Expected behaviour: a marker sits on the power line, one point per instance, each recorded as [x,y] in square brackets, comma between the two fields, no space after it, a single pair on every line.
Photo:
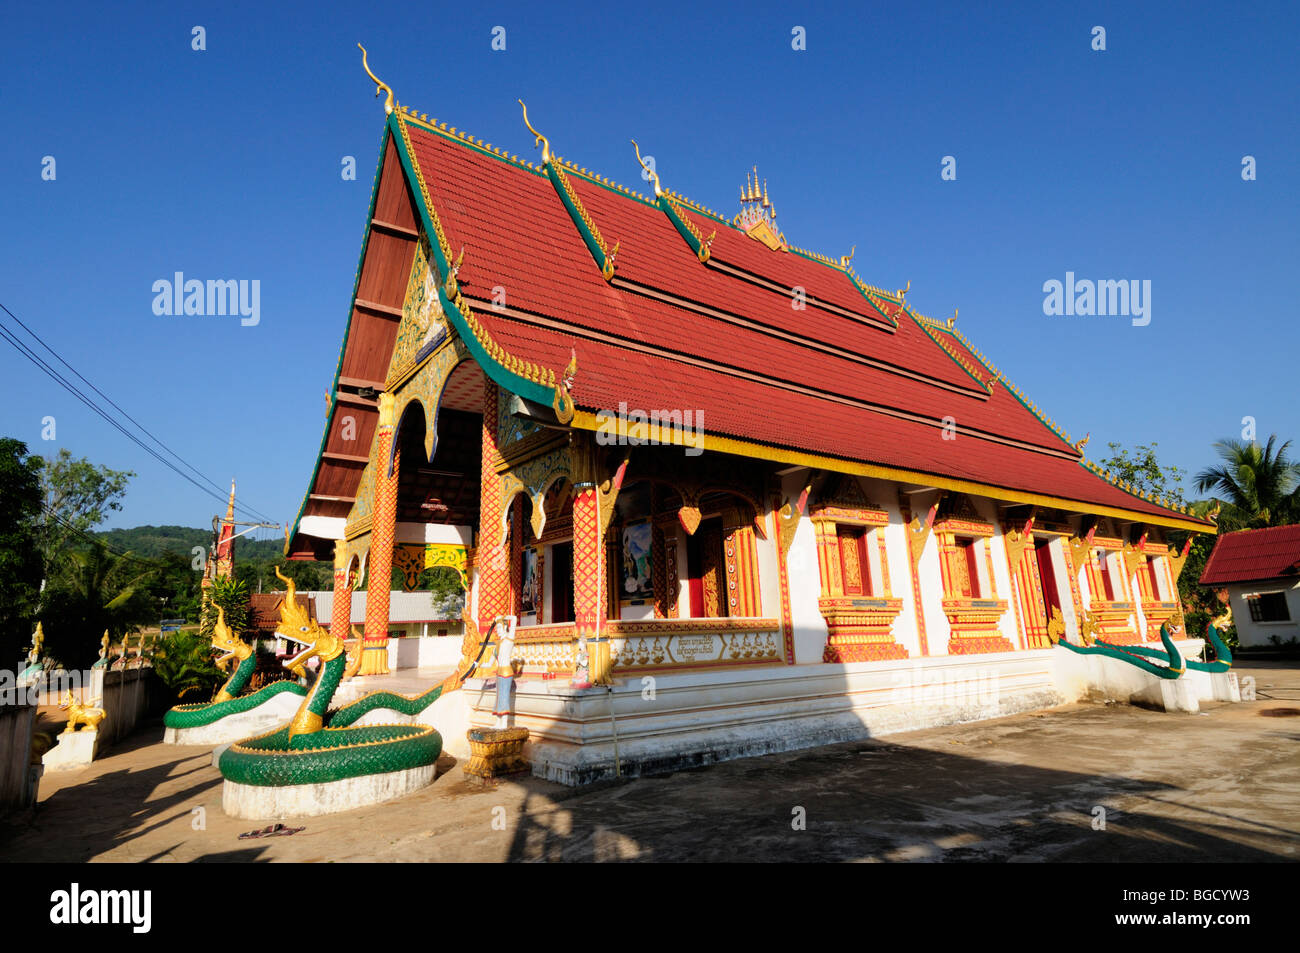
[86,537]
[95,408]
[76,392]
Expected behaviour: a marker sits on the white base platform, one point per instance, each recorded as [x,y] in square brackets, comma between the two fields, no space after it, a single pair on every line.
[251,802]
[688,719]
[73,750]
[1080,676]
[268,716]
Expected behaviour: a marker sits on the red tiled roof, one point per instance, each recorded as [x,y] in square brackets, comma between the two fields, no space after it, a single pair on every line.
[670,332]
[264,609]
[1252,554]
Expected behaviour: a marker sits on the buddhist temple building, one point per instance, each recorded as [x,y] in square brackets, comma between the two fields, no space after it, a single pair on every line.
[751,500]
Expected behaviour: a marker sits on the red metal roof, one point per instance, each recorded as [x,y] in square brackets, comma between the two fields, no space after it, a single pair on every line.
[1252,554]
[669,332]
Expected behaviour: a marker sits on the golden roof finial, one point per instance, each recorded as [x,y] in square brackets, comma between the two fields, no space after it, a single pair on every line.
[380,85]
[649,170]
[844,262]
[540,139]
[767,203]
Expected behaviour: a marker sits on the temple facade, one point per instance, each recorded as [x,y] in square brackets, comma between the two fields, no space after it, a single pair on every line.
[738,498]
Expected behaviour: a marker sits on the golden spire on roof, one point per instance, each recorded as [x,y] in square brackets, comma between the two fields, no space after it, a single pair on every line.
[380,85]
[757,214]
[540,139]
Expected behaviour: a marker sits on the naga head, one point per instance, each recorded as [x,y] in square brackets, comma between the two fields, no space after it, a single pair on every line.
[297,625]
[225,641]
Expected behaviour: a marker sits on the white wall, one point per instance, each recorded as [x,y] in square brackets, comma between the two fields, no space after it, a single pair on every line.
[905,629]
[810,632]
[1250,632]
[937,629]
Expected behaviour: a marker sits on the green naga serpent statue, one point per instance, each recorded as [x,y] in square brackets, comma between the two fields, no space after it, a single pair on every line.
[1135,655]
[228,700]
[1222,654]
[319,746]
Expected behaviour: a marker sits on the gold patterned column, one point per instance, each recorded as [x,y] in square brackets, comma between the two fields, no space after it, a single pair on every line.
[493,560]
[341,609]
[741,570]
[374,655]
[589,589]
[516,550]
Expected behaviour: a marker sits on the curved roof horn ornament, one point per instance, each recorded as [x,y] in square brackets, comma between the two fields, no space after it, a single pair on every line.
[649,169]
[380,85]
[540,139]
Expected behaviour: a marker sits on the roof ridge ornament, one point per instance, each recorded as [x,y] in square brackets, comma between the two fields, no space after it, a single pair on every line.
[380,85]
[649,169]
[540,139]
[757,214]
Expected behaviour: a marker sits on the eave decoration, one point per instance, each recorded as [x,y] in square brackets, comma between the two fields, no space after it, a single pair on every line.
[788,520]
[582,220]
[1177,559]
[525,378]
[1017,539]
[681,221]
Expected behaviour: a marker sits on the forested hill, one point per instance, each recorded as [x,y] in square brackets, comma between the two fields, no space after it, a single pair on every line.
[152,541]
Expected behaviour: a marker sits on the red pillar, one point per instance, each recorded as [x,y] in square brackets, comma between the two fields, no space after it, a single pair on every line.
[491,556]
[589,589]
[383,529]
[341,613]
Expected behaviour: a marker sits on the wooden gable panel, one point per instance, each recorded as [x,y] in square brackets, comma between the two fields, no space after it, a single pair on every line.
[361,429]
[393,203]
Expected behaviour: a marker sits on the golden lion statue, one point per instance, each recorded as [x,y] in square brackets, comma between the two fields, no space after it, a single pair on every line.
[80,714]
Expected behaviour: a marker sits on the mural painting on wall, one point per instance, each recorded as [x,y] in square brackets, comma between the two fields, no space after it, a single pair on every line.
[531,589]
[637,581]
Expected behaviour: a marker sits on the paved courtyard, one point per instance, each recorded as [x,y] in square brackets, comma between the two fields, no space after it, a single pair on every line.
[1222,785]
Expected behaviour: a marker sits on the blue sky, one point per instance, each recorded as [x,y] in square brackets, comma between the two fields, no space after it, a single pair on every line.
[225,163]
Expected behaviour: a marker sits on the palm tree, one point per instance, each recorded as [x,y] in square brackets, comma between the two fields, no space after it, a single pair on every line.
[1257,487]
[184,662]
[94,591]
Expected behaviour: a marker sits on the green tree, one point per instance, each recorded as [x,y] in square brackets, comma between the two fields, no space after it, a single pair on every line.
[1255,487]
[1142,469]
[232,596]
[78,496]
[97,590]
[445,591]
[176,587]
[307,575]
[185,663]
[20,557]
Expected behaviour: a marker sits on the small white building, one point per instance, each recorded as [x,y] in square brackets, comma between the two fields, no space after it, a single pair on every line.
[421,635]
[1260,569]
